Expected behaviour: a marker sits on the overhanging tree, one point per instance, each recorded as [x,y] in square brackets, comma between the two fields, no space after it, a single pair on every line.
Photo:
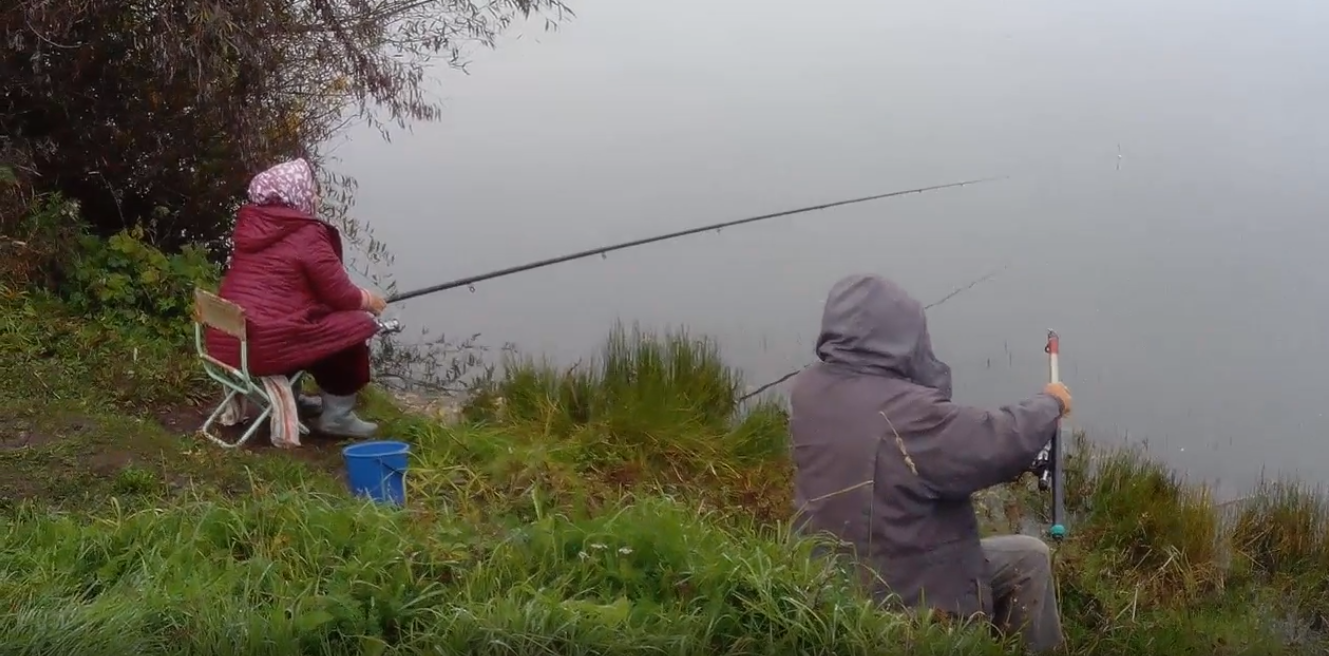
[156,113]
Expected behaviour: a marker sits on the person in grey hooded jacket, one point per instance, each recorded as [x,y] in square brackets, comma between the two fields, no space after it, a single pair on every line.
[886,462]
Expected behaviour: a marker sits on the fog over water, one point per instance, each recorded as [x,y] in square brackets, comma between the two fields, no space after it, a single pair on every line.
[1165,210]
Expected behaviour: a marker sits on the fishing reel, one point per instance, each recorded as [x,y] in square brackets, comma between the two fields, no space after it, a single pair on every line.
[1042,468]
[388,326]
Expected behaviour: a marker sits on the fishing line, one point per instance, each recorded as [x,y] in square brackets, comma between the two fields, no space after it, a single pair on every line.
[470,281]
[1059,169]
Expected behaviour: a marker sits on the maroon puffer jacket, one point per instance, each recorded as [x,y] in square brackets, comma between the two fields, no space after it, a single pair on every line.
[286,272]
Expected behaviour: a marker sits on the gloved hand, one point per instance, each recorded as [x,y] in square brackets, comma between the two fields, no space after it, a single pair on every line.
[1061,393]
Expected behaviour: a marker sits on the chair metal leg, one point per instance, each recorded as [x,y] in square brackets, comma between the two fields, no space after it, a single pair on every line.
[221,407]
[258,398]
[253,428]
[257,395]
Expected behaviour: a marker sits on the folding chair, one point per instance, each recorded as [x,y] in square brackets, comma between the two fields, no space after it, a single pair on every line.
[215,312]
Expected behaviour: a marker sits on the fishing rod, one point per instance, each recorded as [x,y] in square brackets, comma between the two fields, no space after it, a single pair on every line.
[1048,463]
[469,281]
[955,292]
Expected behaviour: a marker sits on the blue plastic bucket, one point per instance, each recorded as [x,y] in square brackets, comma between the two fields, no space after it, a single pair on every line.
[377,470]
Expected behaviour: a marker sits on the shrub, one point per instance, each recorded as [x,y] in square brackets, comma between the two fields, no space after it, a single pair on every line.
[38,235]
[132,282]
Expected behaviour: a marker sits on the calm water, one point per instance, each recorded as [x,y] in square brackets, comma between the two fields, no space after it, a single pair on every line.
[1187,276]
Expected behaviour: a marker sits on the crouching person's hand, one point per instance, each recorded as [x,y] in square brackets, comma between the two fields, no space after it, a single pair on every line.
[371,302]
[1063,394]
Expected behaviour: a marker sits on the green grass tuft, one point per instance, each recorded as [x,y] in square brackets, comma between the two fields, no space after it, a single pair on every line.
[639,383]
[1153,523]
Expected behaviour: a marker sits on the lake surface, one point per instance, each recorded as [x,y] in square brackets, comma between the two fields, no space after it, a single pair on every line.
[1165,212]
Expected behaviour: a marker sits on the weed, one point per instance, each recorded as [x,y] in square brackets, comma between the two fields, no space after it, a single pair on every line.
[639,380]
[1281,529]
[1155,524]
[1282,533]
[135,480]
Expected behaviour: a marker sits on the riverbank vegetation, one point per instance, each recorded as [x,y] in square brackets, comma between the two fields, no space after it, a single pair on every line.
[623,505]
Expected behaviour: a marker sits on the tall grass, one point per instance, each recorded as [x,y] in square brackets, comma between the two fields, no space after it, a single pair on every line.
[652,408]
[639,382]
[1281,532]
[1281,529]
[1154,523]
[302,573]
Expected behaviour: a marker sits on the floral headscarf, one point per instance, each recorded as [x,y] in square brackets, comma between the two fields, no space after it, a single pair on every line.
[289,183]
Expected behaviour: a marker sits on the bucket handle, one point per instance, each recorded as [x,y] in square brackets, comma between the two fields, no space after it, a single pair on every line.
[396,471]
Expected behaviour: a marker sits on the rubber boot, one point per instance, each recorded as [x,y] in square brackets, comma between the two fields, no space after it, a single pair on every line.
[338,418]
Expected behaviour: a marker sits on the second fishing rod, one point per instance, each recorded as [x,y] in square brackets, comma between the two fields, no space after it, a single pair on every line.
[471,280]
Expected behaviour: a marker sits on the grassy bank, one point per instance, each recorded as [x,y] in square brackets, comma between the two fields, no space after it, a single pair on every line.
[625,505]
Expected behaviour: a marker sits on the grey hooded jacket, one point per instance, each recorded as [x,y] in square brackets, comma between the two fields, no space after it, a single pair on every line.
[886,462]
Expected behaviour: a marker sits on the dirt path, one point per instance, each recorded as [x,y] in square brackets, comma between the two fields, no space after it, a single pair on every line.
[322,451]
[70,455]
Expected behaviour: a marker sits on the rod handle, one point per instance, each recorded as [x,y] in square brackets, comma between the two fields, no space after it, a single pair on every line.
[1053,350]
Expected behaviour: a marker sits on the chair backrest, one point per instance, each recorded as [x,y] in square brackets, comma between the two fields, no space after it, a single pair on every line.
[216,312]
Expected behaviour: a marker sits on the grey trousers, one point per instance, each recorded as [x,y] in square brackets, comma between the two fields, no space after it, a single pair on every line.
[1024,593]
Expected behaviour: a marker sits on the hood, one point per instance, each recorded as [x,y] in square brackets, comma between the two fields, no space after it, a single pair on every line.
[871,326]
[259,226]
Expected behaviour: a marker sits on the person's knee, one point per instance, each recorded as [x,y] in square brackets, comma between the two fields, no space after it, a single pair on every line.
[1026,552]
[1034,546]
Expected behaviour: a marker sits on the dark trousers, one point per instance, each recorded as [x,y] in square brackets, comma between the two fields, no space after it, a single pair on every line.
[343,373]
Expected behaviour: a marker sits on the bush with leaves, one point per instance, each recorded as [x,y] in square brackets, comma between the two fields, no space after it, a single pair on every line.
[129,280]
[37,234]
[123,280]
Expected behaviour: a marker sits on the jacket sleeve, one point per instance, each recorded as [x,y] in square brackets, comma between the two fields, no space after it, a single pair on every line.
[326,275]
[967,449]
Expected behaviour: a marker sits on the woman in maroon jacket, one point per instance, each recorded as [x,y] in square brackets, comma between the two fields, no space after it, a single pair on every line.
[303,311]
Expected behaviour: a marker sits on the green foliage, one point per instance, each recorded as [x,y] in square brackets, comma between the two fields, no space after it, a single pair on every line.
[639,379]
[39,238]
[98,319]
[129,280]
[56,249]
[653,409]
[658,393]
[1147,520]
[123,281]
